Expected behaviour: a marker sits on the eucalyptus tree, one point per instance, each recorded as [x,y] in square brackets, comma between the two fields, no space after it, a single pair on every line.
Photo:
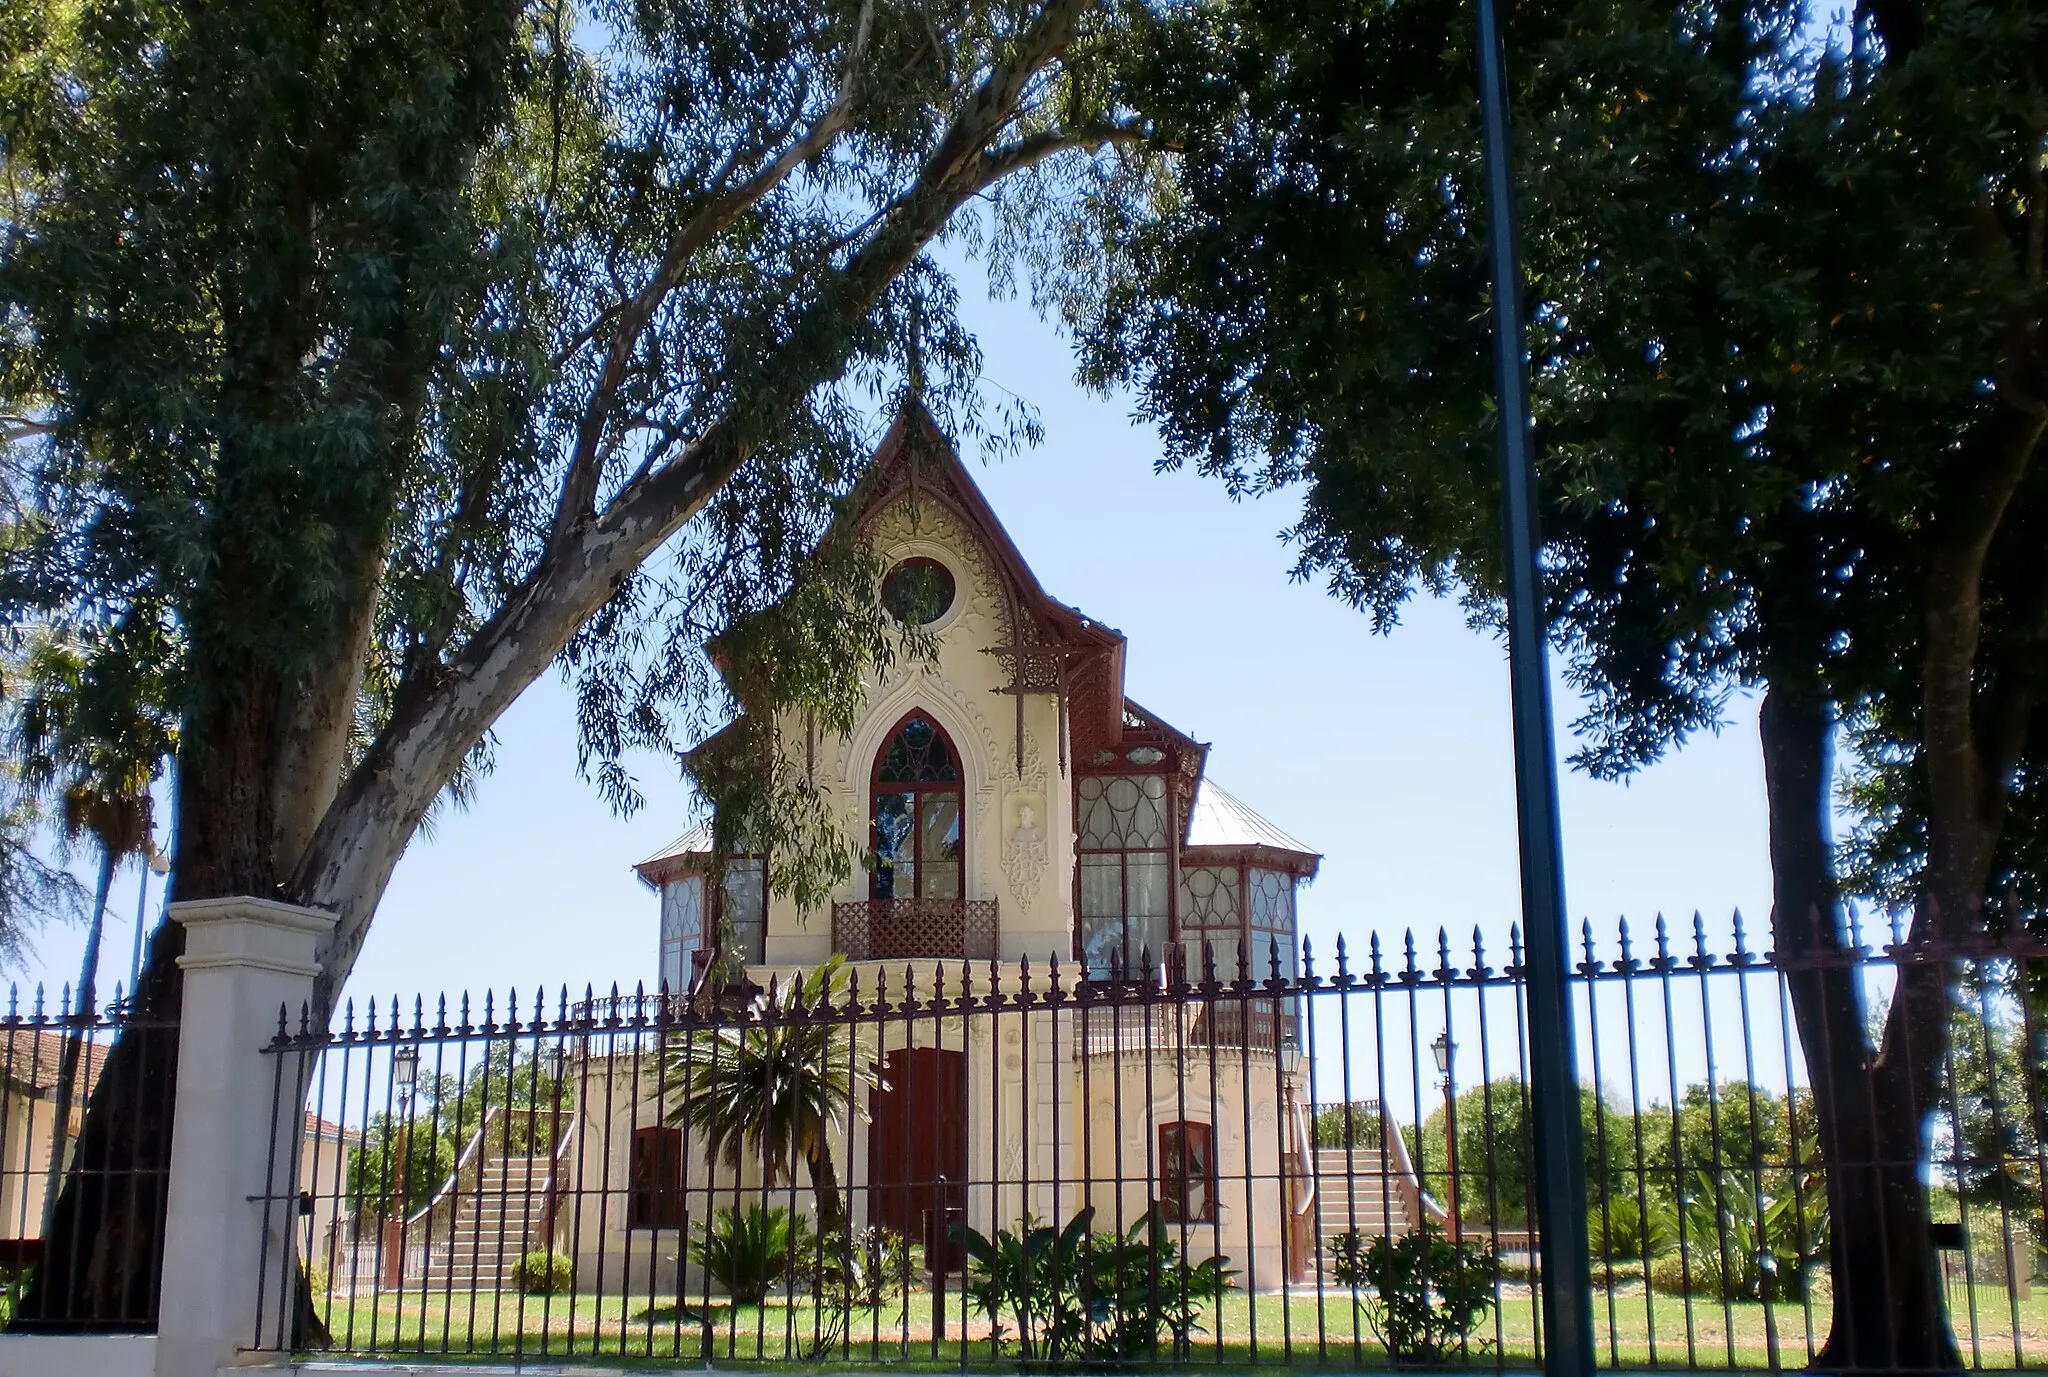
[1786,352]
[375,356]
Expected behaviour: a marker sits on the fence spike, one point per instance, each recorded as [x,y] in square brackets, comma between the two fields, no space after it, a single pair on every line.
[1590,965]
[1308,963]
[1663,942]
[1378,968]
[306,1018]
[1628,961]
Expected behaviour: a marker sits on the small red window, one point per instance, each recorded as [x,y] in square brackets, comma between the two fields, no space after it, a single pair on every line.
[654,1179]
[1187,1173]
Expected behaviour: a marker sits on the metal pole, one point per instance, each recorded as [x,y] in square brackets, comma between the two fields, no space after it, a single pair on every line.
[1554,1099]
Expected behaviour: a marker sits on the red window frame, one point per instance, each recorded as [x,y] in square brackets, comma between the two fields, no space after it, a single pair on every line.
[654,1178]
[917,789]
[1187,1156]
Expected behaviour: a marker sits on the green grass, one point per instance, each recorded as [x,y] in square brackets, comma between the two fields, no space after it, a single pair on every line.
[1301,1329]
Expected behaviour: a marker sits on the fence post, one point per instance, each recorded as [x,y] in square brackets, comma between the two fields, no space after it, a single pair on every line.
[245,958]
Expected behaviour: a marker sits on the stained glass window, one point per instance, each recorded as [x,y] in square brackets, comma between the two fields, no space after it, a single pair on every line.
[1270,901]
[1124,871]
[1211,916]
[682,929]
[918,591]
[915,815]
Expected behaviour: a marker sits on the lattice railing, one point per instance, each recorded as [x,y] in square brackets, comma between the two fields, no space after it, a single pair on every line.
[903,929]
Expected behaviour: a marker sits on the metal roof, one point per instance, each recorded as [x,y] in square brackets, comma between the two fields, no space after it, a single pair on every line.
[1221,819]
[695,842]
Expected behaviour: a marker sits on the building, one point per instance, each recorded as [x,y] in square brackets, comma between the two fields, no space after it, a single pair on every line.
[1018,808]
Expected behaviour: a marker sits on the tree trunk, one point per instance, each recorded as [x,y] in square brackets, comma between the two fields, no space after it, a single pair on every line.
[1880,1259]
[825,1183]
[104,1245]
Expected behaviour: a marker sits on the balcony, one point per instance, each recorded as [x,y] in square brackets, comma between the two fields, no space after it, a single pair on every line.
[909,929]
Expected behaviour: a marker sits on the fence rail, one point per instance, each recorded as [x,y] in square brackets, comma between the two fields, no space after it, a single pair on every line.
[1231,1171]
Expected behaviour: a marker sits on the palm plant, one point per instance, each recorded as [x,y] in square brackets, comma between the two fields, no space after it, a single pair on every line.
[773,1084]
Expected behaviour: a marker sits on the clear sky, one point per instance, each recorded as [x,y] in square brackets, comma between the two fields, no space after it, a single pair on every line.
[1390,754]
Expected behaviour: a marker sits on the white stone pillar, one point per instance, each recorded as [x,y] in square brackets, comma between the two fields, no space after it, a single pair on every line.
[244,960]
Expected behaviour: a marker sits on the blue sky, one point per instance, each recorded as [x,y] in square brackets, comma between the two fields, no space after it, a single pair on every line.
[1390,754]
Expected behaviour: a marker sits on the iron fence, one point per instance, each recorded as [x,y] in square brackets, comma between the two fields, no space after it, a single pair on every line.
[58,1178]
[965,1163]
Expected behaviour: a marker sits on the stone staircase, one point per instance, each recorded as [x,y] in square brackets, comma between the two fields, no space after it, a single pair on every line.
[498,1207]
[1360,1191]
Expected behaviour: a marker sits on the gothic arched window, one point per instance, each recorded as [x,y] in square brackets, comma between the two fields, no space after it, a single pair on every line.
[914,812]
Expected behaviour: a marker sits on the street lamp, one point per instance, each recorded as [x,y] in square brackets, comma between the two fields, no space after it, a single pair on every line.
[1445,1051]
[1560,1213]
[405,1072]
[555,1061]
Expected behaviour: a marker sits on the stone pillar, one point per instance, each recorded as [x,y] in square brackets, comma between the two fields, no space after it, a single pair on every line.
[244,960]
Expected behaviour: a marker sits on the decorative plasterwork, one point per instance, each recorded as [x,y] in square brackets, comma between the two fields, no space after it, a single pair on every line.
[1026,829]
[937,534]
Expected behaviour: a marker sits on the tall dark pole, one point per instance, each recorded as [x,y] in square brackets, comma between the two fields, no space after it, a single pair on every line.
[1560,1164]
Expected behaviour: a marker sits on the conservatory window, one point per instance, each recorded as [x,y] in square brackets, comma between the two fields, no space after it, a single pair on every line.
[682,929]
[1270,896]
[1211,919]
[743,905]
[1124,871]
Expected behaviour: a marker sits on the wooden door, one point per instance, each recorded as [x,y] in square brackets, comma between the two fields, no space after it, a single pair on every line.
[917,1148]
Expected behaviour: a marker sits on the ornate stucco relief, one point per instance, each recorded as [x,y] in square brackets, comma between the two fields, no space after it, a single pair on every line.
[1025,848]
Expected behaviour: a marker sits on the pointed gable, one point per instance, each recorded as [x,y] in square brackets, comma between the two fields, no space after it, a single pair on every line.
[1046,644]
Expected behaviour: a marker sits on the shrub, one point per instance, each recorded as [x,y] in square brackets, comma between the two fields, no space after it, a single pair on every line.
[1080,1296]
[867,1270]
[750,1251]
[1428,1293]
[1349,1125]
[544,1272]
[1625,1230]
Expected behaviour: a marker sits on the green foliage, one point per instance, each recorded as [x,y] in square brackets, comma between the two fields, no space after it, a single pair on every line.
[545,1272]
[1427,1293]
[771,1087]
[1081,1296]
[751,1250]
[1349,1125]
[1496,1153]
[408,1162]
[870,1269]
[1743,1241]
[1631,1228]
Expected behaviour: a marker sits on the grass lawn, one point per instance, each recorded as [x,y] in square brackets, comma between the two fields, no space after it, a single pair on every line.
[1301,1328]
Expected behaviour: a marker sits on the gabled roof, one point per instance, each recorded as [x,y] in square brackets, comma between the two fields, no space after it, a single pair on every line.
[916,461]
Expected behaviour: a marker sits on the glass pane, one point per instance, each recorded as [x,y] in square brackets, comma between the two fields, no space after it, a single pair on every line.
[1272,901]
[918,755]
[1098,825]
[939,845]
[1148,817]
[682,927]
[746,894]
[1209,897]
[1102,887]
[895,868]
[1145,885]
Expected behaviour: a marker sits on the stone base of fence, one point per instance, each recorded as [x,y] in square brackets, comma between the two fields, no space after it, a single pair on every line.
[78,1355]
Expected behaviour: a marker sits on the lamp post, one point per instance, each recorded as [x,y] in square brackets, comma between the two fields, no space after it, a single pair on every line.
[555,1061]
[405,1070]
[1560,1215]
[1445,1052]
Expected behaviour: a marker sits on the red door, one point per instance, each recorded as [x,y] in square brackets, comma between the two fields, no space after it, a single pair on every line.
[917,1148]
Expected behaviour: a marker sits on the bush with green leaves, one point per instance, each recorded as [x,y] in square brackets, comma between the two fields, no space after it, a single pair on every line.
[752,1250]
[1744,1238]
[1081,1296]
[869,1269]
[545,1272]
[1426,1292]
[1349,1126]
[1631,1228]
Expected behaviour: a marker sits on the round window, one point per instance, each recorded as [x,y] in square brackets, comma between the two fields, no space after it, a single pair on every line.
[918,591]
